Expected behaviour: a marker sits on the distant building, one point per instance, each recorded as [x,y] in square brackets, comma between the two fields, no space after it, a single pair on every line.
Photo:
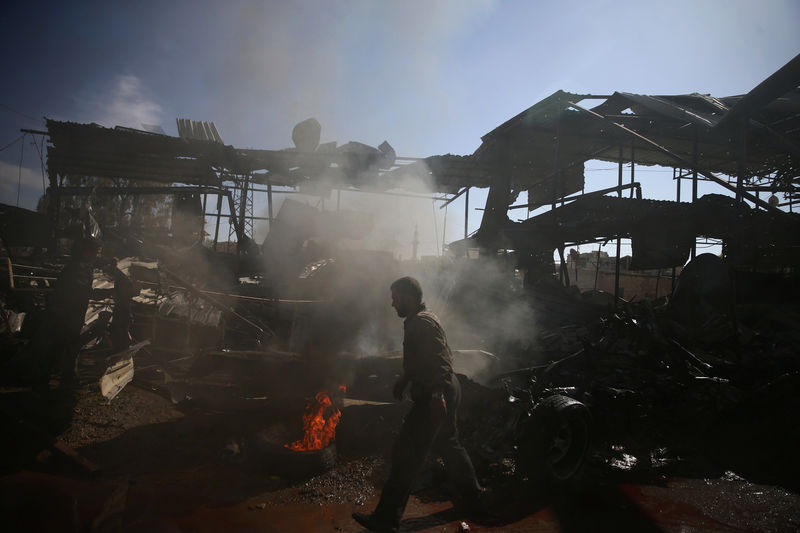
[595,271]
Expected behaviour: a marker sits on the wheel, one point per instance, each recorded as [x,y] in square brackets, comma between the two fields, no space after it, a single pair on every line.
[555,440]
[276,459]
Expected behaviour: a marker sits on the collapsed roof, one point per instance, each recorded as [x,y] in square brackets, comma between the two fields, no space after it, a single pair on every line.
[93,150]
[524,146]
[541,150]
[556,133]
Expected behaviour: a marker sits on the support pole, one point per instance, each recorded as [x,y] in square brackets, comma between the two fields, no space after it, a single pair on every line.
[243,205]
[633,164]
[597,266]
[678,198]
[203,227]
[740,177]
[466,213]
[435,226]
[269,202]
[558,186]
[558,181]
[219,216]
[619,240]
[741,163]
[694,182]
[444,231]
[234,220]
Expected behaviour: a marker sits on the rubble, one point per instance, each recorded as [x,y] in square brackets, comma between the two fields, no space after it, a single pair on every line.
[209,356]
[120,372]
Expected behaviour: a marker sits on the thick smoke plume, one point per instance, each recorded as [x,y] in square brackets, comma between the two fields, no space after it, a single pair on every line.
[479,300]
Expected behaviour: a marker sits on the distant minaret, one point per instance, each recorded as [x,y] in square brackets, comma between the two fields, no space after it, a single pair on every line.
[415,244]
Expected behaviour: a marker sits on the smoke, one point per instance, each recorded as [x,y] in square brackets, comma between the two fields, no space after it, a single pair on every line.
[292,60]
[395,217]
[127,104]
[291,67]
[480,302]
[398,221]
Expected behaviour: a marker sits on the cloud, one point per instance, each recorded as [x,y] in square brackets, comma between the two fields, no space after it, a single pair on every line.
[127,105]
[31,185]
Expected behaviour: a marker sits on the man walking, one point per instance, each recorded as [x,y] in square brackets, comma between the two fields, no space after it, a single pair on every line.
[431,423]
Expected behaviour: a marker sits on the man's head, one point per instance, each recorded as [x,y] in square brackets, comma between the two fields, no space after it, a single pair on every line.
[406,296]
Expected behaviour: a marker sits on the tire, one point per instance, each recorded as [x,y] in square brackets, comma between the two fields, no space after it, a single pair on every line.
[555,440]
[276,459]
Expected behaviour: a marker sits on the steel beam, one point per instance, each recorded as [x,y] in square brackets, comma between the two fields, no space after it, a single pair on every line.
[684,163]
[458,194]
[601,192]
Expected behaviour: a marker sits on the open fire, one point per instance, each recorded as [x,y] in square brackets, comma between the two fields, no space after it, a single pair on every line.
[318,431]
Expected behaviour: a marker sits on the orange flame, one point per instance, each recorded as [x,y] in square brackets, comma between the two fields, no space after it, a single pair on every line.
[318,431]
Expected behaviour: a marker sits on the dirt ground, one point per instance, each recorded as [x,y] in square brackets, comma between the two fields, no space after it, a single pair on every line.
[174,467]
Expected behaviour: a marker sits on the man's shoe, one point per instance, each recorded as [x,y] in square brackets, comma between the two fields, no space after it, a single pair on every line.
[371,522]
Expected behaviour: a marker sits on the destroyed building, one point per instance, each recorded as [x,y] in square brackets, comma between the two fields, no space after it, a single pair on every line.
[268,325]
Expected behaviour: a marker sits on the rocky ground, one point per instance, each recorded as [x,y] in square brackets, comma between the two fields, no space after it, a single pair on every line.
[168,463]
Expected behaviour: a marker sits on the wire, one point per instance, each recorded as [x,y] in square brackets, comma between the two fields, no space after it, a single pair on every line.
[21,113]
[12,142]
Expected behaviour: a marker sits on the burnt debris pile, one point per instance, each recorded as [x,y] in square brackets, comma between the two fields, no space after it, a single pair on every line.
[701,383]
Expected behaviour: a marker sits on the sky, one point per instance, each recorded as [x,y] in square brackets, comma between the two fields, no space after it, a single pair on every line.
[430,77]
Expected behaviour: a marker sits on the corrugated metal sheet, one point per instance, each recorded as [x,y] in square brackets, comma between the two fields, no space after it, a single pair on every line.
[667,107]
[153,128]
[198,130]
[195,310]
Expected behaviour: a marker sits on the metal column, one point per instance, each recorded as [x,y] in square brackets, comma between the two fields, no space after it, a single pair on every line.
[619,241]
[219,216]
[694,183]
[678,198]
[633,165]
[269,202]
[466,213]
[740,177]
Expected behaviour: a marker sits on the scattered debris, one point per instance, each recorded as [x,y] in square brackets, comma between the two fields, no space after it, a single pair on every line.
[120,372]
[698,373]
